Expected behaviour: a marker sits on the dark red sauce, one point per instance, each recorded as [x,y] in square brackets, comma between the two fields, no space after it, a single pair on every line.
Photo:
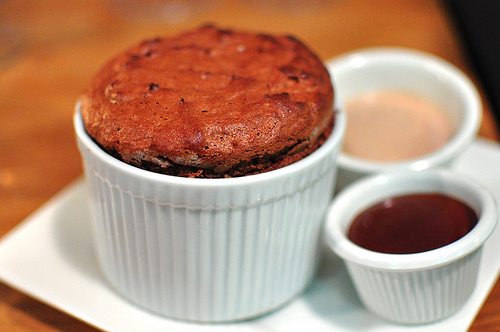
[412,223]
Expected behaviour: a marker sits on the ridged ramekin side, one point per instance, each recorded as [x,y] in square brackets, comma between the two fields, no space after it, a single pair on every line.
[211,264]
[209,250]
[417,296]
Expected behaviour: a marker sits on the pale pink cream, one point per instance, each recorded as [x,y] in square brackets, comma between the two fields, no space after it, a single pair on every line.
[392,126]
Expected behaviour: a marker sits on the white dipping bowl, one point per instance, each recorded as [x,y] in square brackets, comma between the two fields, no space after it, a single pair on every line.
[420,287]
[418,73]
[209,250]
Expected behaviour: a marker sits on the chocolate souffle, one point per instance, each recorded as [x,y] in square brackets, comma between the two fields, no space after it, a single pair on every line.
[211,103]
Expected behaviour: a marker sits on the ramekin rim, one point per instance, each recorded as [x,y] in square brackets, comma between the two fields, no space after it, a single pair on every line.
[460,140]
[343,247]
[334,140]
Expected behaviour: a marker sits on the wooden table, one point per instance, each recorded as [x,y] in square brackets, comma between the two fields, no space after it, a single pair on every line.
[62,43]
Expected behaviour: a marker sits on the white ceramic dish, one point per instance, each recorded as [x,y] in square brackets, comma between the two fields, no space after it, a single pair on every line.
[49,256]
[441,279]
[209,250]
[415,72]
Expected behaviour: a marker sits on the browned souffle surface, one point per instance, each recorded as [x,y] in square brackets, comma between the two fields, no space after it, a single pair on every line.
[211,102]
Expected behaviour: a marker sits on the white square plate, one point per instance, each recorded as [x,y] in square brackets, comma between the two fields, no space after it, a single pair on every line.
[49,256]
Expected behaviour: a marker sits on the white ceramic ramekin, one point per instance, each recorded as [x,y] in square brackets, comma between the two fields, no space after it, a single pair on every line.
[412,288]
[416,72]
[209,250]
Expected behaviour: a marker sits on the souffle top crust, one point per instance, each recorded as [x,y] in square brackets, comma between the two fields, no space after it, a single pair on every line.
[211,103]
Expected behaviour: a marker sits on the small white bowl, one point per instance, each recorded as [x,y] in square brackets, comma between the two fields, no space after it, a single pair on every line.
[412,288]
[418,73]
[209,250]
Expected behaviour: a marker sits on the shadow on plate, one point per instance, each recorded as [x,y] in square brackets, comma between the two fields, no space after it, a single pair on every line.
[73,234]
[332,295]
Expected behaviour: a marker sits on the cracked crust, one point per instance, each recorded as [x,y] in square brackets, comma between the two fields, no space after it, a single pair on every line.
[211,103]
